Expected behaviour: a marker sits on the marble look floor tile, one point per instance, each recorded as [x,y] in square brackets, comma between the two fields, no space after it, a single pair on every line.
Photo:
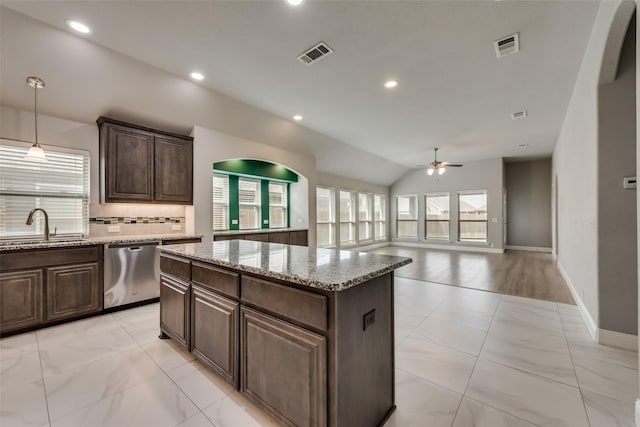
[545,355]
[144,332]
[510,324]
[236,411]
[71,332]
[609,379]
[157,402]
[421,403]
[568,309]
[486,302]
[18,345]
[131,316]
[167,354]
[531,302]
[530,316]
[475,414]
[463,316]
[606,412]
[582,345]
[530,397]
[450,335]
[199,383]
[198,420]
[83,350]
[77,388]
[401,334]
[23,406]
[19,370]
[406,320]
[573,323]
[447,368]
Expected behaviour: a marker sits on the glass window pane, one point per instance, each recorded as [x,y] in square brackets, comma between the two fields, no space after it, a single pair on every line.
[325,217]
[380,216]
[220,202]
[277,205]
[347,206]
[473,230]
[407,228]
[407,216]
[249,203]
[437,206]
[438,230]
[473,216]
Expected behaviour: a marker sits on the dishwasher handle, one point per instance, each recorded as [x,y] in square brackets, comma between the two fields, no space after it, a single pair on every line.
[133,246]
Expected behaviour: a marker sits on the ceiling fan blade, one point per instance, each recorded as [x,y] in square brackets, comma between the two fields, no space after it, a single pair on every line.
[452,165]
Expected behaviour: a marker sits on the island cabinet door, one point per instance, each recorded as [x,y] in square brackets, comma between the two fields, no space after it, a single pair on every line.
[283,369]
[21,300]
[214,332]
[174,309]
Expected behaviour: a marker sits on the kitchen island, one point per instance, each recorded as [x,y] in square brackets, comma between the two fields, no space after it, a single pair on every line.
[305,333]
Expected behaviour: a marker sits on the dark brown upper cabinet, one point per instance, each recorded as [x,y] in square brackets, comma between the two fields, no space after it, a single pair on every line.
[144,165]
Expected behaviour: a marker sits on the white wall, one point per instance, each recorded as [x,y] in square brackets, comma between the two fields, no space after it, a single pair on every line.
[481,175]
[210,146]
[575,166]
[528,187]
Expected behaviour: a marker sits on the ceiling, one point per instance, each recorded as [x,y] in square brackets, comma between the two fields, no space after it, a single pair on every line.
[453,92]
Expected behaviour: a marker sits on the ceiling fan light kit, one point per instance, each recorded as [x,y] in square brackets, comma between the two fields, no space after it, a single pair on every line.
[439,166]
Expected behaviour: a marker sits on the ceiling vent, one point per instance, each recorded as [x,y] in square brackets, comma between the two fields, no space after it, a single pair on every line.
[316,53]
[507,45]
[519,115]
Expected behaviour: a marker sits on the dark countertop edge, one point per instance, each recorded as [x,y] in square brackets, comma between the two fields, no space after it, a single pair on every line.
[96,241]
[316,284]
[256,231]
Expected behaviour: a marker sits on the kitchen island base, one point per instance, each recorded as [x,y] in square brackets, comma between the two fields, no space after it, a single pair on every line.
[307,356]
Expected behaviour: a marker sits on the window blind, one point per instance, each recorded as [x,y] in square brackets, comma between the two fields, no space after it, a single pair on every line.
[380,216]
[220,202]
[60,186]
[249,201]
[325,217]
[277,205]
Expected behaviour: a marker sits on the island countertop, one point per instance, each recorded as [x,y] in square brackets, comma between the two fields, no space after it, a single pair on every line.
[327,269]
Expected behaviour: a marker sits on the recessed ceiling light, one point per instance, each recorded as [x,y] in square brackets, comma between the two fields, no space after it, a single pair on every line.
[523,146]
[295,2]
[390,84]
[78,26]
[197,76]
[297,117]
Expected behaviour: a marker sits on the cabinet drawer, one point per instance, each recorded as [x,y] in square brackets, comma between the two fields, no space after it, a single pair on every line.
[223,281]
[178,267]
[257,237]
[32,258]
[295,304]
[279,237]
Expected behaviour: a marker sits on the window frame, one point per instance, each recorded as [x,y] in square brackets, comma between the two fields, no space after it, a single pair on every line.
[427,220]
[352,220]
[383,220]
[369,214]
[284,206]
[226,204]
[398,220]
[44,198]
[486,220]
[332,216]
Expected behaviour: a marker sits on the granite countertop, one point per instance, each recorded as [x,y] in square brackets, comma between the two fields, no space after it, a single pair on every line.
[14,245]
[256,231]
[328,269]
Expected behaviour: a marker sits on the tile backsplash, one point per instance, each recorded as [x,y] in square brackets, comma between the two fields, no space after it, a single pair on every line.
[135,219]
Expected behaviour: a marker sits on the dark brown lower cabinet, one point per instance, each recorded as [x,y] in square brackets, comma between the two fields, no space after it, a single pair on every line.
[174,309]
[73,290]
[21,300]
[214,332]
[283,369]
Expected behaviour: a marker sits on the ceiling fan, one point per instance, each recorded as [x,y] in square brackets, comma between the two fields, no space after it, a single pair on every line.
[439,166]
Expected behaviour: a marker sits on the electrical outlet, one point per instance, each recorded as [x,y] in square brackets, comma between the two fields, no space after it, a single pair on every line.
[176,227]
[266,221]
[113,228]
[368,319]
[234,221]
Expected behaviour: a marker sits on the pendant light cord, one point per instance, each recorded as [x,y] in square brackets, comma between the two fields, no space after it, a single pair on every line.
[35,110]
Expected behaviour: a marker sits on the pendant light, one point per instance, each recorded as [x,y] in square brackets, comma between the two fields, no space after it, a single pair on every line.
[35,153]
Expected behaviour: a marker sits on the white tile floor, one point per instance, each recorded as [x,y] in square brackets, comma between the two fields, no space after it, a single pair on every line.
[464,358]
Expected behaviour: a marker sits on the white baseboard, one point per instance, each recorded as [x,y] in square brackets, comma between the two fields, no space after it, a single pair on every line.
[368,247]
[447,247]
[528,248]
[618,339]
[637,412]
[586,316]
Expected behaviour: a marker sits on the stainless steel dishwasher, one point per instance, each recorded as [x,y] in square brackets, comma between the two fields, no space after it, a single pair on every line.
[131,273]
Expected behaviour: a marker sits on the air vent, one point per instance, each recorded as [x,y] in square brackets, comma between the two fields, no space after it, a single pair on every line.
[507,45]
[519,115]
[316,53]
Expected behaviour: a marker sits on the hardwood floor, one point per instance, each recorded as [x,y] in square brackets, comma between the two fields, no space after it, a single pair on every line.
[519,273]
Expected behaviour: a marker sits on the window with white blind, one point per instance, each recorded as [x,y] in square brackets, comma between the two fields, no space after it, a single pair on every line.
[437,216]
[472,222]
[277,205]
[220,202]
[365,216]
[407,216]
[60,186]
[326,217]
[249,203]
[347,217]
[380,217]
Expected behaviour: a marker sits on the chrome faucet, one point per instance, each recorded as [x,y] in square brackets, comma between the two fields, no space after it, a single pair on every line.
[46,221]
